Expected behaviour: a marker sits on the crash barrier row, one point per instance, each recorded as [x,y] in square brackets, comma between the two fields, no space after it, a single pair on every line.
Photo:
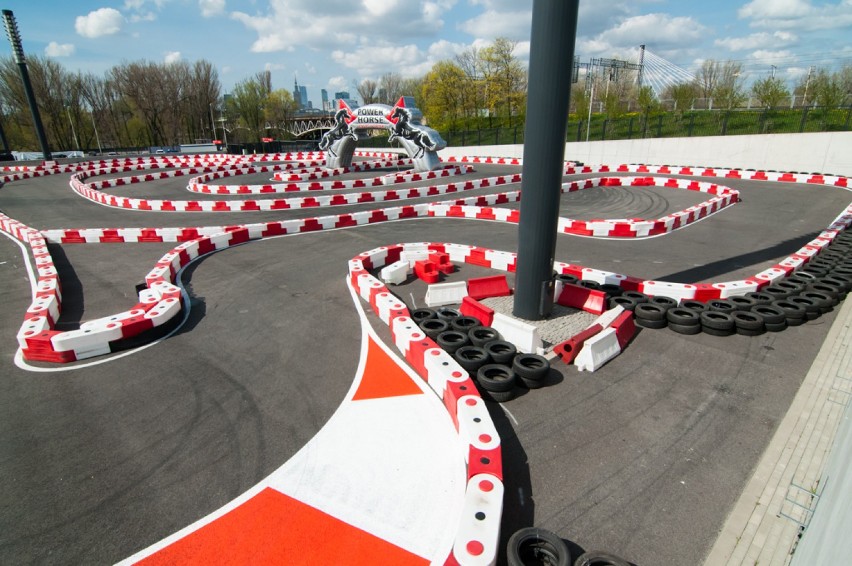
[478,533]
[488,258]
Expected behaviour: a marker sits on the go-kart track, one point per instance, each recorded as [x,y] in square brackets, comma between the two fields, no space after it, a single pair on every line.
[198,366]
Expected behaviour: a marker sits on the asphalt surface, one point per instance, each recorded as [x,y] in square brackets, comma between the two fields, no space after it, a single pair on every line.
[643,458]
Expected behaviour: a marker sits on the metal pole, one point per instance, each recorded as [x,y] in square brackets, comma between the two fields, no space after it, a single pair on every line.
[97,137]
[591,100]
[20,59]
[73,131]
[212,121]
[554,32]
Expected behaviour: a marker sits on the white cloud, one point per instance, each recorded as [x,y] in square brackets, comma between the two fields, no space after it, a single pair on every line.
[757,40]
[341,23]
[492,24]
[170,57]
[54,49]
[767,55]
[800,15]
[210,8]
[103,21]
[274,67]
[336,83]
[143,17]
[310,68]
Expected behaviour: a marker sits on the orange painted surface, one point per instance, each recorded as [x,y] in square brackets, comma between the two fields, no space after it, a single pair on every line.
[383,377]
[273,528]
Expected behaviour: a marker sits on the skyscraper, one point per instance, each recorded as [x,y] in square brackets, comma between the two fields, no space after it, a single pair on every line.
[325,105]
[297,94]
[303,99]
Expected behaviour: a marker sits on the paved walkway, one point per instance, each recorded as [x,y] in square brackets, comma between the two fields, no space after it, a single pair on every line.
[778,501]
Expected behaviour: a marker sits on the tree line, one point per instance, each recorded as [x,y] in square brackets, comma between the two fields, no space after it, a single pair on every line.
[145,104]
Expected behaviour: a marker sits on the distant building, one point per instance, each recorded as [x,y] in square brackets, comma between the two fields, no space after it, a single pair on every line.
[305,103]
[297,93]
[325,105]
[342,94]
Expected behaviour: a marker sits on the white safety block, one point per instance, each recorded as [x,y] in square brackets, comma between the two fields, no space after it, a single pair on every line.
[458,252]
[366,283]
[385,303]
[46,306]
[500,260]
[608,317]
[677,291]
[442,368]
[163,311]
[31,327]
[97,322]
[524,336]
[84,340]
[395,273]
[475,425]
[410,256]
[405,331]
[439,294]
[735,288]
[479,532]
[598,350]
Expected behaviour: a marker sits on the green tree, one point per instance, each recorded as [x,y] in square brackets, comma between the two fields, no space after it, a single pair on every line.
[728,92]
[442,88]
[683,94]
[828,89]
[770,92]
[648,101]
[248,104]
[505,78]
[278,108]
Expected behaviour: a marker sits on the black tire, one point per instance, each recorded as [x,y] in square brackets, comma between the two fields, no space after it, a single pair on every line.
[742,303]
[665,302]
[471,358]
[537,546]
[685,328]
[791,310]
[776,326]
[748,321]
[771,315]
[721,305]
[650,312]
[636,296]
[652,324]
[718,331]
[434,326]
[747,332]
[499,396]
[598,558]
[815,271]
[717,320]
[496,377]
[692,305]
[802,277]
[452,340]
[826,289]
[683,317]
[822,300]
[482,335]
[464,323]
[445,313]
[531,366]
[588,284]
[567,278]
[811,307]
[842,281]
[792,286]
[419,315]
[776,292]
[625,302]
[760,298]
[612,290]
[501,351]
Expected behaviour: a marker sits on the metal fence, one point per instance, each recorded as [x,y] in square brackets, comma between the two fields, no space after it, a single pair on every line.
[676,124]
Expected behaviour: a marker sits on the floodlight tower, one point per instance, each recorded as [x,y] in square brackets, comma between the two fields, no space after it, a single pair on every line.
[20,59]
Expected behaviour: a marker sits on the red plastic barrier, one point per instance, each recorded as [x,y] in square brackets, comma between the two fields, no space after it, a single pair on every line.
[472,307]
[625,329]
[579,297]
[426,271]
[491,286]
[569,349]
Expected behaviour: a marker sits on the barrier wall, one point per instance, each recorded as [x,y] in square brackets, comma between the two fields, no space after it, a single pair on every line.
[826,152]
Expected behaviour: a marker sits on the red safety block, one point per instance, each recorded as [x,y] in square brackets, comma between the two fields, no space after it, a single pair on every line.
[472,307]
[625,328]
[426,270]
[444,264]
[491,286]
[569,349]
[579,297]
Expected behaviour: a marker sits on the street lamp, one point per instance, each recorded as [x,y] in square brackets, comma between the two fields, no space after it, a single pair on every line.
[18,55]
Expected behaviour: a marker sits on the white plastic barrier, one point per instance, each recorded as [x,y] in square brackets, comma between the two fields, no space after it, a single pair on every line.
[735,288]
[440,294]
[478,535]
[676,291]
[440,369]
[367,284]
[598,350]
[396,273]
[31,327]
[163,311]
[524,336]
[405,331]
[386,303]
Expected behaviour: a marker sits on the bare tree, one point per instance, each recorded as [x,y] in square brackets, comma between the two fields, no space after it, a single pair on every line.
[367,91]
[390,88]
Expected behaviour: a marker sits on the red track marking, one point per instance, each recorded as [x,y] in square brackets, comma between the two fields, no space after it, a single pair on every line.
[272,528]
[383,377]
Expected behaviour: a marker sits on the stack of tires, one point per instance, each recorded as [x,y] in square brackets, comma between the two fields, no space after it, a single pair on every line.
[532,546]
[494,364]
[804,295]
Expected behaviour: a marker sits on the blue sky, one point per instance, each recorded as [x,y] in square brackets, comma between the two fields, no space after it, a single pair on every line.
[333,43]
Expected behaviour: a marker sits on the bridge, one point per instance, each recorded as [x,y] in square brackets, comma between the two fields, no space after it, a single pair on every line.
[301,124]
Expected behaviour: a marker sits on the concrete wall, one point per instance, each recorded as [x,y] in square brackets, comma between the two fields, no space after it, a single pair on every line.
[829,152]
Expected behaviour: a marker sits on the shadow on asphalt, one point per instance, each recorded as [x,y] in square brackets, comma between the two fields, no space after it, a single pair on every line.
[716,268]
[73,302]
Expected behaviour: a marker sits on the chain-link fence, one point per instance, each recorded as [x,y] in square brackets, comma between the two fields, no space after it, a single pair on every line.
[676,124]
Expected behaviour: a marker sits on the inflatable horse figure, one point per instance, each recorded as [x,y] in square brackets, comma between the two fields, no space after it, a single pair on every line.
[401,120]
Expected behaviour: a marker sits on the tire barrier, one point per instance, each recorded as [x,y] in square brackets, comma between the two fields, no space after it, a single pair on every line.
[537,546]
[598,558]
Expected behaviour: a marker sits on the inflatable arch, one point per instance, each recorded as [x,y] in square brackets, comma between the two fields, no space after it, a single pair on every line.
[402,121]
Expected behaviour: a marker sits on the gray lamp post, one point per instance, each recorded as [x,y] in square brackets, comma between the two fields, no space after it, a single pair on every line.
[20,59]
